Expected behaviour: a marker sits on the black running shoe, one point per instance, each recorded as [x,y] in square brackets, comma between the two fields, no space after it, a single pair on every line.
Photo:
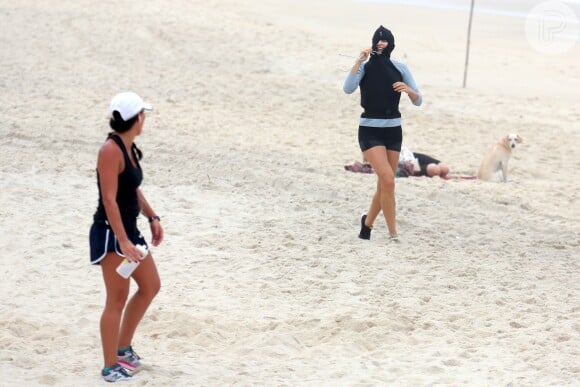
[365,232]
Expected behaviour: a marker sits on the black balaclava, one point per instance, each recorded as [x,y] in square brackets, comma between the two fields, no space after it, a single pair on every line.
[384,34]
[377,95]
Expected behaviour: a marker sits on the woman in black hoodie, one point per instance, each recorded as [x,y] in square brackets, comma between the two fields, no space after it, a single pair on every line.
[381,81]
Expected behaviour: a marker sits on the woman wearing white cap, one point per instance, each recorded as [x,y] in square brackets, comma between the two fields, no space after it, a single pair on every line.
[114,236]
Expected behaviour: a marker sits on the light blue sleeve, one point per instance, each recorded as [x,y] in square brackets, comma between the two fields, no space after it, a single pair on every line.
[409,80]
[352,81]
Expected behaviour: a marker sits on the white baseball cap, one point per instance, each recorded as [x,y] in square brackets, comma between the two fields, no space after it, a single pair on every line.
[128,104]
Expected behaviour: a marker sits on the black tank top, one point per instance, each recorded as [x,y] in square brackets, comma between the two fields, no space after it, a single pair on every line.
[378,98]
[127,184]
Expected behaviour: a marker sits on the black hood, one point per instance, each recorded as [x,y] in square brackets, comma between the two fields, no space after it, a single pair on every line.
[384,34]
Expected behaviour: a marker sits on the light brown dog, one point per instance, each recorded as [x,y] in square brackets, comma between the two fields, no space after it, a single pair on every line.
[498,156]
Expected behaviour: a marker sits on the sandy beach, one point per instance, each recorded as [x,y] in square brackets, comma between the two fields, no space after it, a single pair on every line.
[264,280]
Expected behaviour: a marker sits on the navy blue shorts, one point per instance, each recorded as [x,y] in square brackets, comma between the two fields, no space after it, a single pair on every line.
[103,240]
[369,137]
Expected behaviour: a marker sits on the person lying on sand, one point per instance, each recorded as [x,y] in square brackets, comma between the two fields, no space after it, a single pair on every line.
[410,164]
[420,164]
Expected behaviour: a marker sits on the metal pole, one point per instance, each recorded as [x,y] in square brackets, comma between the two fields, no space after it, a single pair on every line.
[468,42]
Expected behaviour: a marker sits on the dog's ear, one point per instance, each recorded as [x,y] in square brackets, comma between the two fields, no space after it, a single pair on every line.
[519,139]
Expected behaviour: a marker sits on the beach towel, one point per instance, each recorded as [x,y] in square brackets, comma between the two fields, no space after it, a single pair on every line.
[359,167]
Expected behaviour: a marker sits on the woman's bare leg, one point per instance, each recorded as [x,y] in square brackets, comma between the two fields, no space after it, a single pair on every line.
[117,289]
[147,279]
[375,208]
[432,170]
[393,157]
[381,161]
[443,170]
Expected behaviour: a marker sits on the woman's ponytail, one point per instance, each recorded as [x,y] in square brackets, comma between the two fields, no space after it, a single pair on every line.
[118,125]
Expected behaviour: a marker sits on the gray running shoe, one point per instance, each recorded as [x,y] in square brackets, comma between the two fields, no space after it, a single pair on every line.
[129,360]
[115,373]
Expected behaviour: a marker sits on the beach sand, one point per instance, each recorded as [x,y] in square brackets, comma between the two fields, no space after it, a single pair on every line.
[264,281]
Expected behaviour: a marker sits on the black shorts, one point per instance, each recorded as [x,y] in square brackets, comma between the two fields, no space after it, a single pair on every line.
[424,160]
[103,240]
[369,137]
